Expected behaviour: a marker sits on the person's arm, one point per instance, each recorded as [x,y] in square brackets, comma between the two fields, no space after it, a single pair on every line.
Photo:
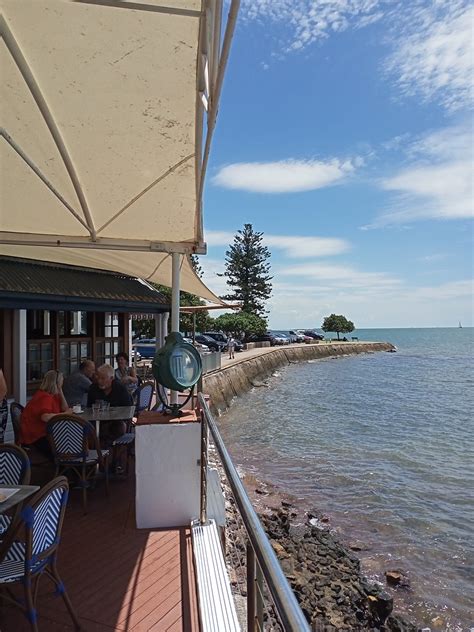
[3,386]
[132,378]
[64,405]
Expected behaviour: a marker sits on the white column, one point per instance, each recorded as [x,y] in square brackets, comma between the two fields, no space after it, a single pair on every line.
[19,346]
[164,326]
[176,261]
[158,331]
[130,345]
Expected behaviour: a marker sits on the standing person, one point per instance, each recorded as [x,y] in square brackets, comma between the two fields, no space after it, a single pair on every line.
[47,402]
[3,406]
[126,374]
[76,386]
[231,347]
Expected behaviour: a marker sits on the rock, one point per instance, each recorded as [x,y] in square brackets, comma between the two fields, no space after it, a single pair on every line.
[396,578]
[381,605]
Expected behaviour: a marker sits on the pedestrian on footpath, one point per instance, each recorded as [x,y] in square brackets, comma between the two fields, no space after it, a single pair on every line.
[231,347]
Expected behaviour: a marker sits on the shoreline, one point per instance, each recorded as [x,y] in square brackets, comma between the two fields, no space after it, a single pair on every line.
[324,573]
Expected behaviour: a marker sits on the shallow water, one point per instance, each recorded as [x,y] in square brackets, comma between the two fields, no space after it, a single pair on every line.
[384,444]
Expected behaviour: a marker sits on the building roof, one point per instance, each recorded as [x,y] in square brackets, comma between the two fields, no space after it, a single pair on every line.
[39,285]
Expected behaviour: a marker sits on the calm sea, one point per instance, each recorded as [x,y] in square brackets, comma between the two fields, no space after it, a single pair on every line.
[384,444]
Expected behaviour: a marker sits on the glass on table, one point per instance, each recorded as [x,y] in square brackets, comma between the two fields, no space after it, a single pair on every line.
[96,408]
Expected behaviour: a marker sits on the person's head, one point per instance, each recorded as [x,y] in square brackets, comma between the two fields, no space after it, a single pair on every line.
[105,377]
[52,382]
[87,367]
[122,360]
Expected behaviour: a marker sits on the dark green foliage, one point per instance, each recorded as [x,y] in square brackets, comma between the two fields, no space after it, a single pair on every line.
[338,324]
[247,271]
[146,328]
[240,325]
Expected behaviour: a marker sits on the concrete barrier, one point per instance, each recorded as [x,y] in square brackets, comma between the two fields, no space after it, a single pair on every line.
[229,382]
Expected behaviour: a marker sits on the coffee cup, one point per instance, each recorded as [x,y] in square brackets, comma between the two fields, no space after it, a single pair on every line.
[76,408]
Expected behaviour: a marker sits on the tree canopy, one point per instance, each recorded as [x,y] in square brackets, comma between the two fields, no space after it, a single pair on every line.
[337,323]
[240,325]
[247,271]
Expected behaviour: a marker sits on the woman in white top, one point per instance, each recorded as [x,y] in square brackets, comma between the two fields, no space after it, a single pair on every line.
[126,374]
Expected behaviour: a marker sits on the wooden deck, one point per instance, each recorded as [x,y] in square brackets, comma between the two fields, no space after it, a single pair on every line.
[118,577]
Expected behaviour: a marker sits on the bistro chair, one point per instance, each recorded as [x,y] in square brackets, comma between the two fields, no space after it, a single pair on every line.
[144,399]
[31,548]
[14,470]
[69,438]
[15,413]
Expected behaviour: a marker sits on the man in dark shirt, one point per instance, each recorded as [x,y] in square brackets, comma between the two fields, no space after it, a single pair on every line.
[110,390]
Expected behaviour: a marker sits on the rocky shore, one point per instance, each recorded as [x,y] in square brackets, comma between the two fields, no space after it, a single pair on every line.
[325,575]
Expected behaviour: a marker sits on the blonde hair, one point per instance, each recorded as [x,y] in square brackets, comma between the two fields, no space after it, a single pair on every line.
[50,382]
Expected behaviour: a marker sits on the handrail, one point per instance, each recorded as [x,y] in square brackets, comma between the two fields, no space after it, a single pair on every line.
[289,611]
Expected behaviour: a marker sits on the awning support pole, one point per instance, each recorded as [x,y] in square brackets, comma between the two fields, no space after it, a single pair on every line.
[175,269]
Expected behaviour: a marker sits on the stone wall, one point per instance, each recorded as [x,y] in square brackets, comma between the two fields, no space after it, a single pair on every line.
[234,380]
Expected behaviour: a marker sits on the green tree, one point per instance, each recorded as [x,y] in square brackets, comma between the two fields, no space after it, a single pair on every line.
[337,323]
[241,325]
[247,271]
[146,328]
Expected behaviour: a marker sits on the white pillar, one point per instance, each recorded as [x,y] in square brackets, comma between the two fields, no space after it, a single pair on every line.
[176,261]
[164,326]
[19,346]
[159,331]
[130,342]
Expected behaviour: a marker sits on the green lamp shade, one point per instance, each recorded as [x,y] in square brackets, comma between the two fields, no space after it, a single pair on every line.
[177,365]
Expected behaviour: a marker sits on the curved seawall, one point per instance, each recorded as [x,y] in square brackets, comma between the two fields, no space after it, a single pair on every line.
[229,382]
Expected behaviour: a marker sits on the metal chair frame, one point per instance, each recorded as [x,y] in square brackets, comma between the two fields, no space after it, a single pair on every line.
[77,459]
[35,541]
[16,410]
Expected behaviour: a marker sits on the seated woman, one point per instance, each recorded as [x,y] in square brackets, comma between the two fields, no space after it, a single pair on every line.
[126,374]
[47,402]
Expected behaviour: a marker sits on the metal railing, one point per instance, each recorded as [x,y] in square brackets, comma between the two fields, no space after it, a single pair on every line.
[262,563]
[211,361]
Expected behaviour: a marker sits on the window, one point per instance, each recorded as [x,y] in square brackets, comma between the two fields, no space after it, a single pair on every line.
[71,354]
[38,323]
[72,324]
[39,360]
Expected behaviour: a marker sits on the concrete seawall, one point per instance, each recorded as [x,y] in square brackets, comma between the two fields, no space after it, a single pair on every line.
[234,380]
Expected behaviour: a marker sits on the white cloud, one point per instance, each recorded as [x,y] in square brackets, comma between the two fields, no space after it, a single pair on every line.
[434,57]
[285,176]
[337,276]
[303,305]
[312,20]
[292,246]
[437,184]
[430,42]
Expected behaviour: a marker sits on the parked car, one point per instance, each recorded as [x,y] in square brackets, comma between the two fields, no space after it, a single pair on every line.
[238,346]
[268,337]
[313,334]
[146,347]
[297,335]
[198,345]
[281,338]
[213,345]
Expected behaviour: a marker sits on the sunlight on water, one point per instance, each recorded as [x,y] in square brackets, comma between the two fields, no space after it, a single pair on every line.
[384,443]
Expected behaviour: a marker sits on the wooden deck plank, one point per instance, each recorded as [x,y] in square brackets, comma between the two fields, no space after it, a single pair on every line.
[117,577]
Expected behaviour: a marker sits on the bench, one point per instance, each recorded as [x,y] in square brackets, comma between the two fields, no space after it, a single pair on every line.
[355,338]
[216,604]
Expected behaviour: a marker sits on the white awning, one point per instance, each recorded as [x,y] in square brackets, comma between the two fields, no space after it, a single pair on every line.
[107,112]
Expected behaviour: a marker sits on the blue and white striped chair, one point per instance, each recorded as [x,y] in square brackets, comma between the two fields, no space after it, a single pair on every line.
[14,470]
[31,548]
[144,398]
[70,437]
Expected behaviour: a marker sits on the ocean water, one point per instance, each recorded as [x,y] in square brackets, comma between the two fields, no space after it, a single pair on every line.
[384,444]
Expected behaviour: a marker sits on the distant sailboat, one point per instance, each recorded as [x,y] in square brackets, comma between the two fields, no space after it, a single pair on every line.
[460,326]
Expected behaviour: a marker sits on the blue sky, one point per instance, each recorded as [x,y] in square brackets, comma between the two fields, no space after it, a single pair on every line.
[345,136]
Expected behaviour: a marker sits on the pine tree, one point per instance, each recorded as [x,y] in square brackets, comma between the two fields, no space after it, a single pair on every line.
[247,271]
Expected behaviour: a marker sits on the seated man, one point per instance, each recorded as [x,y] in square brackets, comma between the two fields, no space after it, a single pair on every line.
[112,391]
[76,386]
